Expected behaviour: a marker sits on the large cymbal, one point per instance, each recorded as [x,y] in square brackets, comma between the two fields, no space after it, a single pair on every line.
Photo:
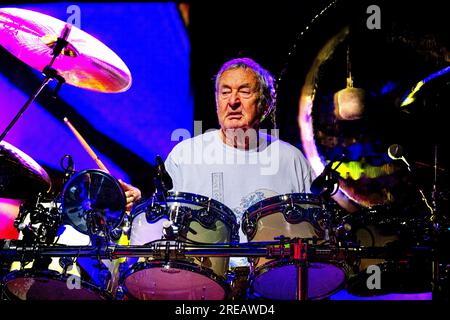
[85,62]
[20,176]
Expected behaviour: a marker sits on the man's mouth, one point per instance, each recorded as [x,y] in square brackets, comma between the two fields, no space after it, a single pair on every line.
[232,116]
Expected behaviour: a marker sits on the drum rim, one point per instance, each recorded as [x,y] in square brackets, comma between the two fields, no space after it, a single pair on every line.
[49,274]
[191,198]
[101,172]
[268,203]
[267,206]
[198,198]
[179,264]
[224,213]
[268,266]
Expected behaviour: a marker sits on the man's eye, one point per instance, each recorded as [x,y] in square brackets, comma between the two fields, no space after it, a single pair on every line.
[245,92]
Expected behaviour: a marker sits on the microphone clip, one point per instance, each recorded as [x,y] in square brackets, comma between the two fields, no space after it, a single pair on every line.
[162,179]
[327,183]
[67,164]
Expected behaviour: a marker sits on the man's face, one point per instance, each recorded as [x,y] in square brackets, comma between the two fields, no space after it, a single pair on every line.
[237,99]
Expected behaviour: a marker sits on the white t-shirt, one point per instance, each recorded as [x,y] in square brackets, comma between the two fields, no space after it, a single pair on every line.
[206,166]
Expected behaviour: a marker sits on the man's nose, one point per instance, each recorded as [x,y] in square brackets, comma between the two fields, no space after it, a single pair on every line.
[234,100]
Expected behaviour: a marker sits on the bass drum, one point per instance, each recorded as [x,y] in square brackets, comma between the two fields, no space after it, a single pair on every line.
[392,276]
[200,220]
[51,283]
[49,278]
[409,278]
[294,216]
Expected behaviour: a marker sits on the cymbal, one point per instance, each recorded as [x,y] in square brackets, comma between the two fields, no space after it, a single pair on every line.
[20,176]
[85,62]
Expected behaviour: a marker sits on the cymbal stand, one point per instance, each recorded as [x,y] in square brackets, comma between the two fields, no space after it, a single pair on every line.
[436,285]
[434,191]
[435,219]
[49,73]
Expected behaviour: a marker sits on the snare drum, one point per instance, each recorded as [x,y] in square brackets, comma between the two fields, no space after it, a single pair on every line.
[200,220]
[295,216]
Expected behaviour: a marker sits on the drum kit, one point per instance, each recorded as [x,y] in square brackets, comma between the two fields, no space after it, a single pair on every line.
[80,243]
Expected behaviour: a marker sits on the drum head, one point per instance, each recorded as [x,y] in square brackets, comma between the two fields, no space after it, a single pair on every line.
[293,209]
[183,208]
[173,281]
[280,282]
[93,197]
[213,208]
[49,285]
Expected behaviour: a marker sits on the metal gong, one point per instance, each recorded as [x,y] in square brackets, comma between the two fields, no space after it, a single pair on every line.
[367,90]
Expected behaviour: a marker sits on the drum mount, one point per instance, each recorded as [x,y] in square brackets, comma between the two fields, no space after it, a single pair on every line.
[43,222]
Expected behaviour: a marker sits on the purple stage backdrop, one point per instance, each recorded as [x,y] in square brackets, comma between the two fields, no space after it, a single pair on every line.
[152,40]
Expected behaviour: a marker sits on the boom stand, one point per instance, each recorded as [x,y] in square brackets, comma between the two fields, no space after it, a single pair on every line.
[50,74]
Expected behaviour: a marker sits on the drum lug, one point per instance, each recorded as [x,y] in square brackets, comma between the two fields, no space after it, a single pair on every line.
[65,263]
[120,295]
[115,234]
[248,227]
[204,217]
[154,212]
[126,228]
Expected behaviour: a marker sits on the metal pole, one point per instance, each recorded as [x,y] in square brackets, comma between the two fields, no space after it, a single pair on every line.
[21,111]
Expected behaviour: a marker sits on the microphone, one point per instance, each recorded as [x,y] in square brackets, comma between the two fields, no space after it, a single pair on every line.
[70,164]
[67,164]
[163,175]
[327,182]
[395,152]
